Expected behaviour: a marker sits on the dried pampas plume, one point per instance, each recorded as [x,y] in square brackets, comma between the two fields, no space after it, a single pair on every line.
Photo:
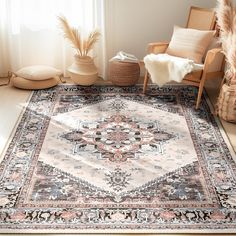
[82,46]
[224,15]
[234,22]
[91,40]
[226,19]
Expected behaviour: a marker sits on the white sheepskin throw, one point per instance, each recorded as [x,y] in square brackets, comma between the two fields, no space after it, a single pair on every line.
[164,68]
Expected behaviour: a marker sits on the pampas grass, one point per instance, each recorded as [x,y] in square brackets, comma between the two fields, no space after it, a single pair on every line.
[82,45]
[226,19]
[224,14]
[91,40]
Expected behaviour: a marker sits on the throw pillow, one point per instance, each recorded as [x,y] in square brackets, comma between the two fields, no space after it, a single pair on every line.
[190,43]
[38,72]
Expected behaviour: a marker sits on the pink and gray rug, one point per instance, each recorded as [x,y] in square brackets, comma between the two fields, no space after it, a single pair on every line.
[106,159]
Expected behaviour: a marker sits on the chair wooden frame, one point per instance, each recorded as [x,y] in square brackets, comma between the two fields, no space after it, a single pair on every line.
[212,25]
[213,65]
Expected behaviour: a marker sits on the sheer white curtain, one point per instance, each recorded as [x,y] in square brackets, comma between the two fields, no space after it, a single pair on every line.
[30,34]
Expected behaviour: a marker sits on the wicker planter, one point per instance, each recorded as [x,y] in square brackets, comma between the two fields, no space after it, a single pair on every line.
[124,73]
[83,71]
[226,105]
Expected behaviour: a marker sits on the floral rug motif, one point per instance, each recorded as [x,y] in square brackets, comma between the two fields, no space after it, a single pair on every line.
[106,158]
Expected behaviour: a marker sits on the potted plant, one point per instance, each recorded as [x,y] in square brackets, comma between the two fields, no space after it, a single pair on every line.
[83,71]
[226,15]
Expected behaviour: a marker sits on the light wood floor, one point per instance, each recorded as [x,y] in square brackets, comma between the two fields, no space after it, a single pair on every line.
[13,100]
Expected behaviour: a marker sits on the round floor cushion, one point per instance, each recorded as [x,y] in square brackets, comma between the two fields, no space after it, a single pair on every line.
[36,77]
[34,84]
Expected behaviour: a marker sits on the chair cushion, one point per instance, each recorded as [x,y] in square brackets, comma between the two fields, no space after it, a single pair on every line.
[190,43]
[22,83]
[38,72]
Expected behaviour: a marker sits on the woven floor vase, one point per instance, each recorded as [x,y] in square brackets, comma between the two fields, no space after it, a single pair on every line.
[124,73]
[83,71]
[226,105]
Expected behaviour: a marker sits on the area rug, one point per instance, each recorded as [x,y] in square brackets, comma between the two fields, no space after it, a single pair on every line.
[107,159]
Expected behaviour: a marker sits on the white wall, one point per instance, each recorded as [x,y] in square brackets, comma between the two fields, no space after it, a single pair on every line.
[132,24]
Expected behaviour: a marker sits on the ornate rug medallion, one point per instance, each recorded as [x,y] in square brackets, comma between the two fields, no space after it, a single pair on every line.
[90,159]
[117,137]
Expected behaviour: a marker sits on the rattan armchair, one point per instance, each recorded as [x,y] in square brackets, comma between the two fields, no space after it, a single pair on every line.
[201,19]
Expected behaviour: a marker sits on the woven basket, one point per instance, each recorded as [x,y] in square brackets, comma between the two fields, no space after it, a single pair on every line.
[226,105]
[124,73]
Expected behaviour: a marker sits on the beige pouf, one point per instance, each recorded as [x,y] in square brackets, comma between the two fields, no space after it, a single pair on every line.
[36,77]
[124,73]
[22,83]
